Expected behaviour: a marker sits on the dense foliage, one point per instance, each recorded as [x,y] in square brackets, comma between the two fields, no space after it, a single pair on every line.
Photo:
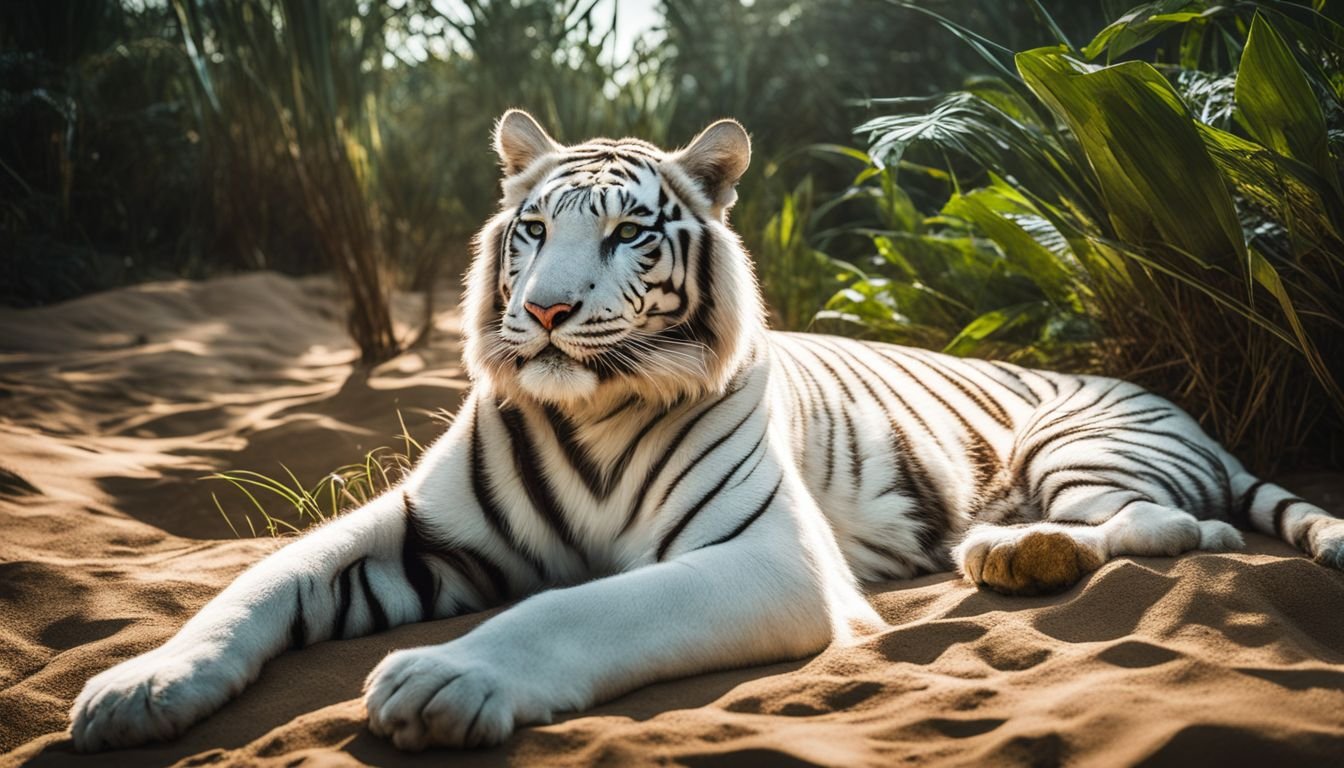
[1176,222]
[183,138]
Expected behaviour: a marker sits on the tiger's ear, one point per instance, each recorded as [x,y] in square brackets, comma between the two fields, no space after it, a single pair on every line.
[519,140]
[716,159]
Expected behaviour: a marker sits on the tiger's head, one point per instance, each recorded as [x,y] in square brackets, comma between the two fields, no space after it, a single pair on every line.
[610,270]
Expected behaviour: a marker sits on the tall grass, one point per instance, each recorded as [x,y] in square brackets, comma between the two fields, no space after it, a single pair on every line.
[1187,211]
[187,138]
[292,87]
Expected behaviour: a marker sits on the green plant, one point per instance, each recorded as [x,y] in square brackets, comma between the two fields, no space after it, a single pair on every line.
[338,491]
[1207,253]
[938,281]
[792,273]
[303,77]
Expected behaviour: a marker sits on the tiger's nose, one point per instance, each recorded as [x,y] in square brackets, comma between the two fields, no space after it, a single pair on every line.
[551,316]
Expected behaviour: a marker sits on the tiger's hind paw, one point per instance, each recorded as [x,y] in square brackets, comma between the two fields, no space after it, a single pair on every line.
[1327,544]
[1024,562]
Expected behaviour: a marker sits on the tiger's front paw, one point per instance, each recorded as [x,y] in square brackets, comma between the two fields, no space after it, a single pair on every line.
[151,697]
[451,697]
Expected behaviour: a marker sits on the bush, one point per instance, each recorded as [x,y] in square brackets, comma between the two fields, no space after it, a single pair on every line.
[1181,217]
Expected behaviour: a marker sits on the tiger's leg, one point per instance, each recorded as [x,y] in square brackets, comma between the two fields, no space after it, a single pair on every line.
[385,564]
[750,582]
[1051,556]
[1108,469]
[1275,511]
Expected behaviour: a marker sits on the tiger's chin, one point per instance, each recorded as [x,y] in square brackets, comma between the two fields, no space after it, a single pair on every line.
[556,377]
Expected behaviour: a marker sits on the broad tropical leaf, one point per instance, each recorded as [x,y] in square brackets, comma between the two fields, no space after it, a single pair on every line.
[1150,163]
[1276,104]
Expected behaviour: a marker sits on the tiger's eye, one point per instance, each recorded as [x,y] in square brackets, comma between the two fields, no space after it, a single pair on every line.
[536,228]
[627,231]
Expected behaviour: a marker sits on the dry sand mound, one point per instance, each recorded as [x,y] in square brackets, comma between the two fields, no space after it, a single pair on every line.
[112,406]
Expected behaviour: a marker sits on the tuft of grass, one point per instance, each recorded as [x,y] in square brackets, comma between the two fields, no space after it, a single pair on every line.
[302,505]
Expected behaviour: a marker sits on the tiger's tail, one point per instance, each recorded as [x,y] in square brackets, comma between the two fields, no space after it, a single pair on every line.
[1271,509]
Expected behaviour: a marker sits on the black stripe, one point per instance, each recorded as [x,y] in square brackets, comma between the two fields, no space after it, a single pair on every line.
[986,402]
[889,554]
[298,631]
[1217,475]
[347,594]
[684,245]
[798,420]
[600,483]
[653,474]
[1037,432]
[1062,417]
[1185,442]
[708,450]
[471,565]
[1079,482]
[532,473]
[1138,497]
[855,466]
[855,452]
[1004,369]
[746,523]
[984,460]
[818,400]
[930,508]
[1159,475]
[485,499]
[468,562]
[1241,516]
[499,582]
[380,622]
[1280,510]
[704,259]
[417,571]
[1205,505]
[577,455]
[1155,478]
[704,500]
[759,460]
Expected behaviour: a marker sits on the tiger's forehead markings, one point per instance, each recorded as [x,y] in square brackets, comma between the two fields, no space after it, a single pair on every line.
[609,179]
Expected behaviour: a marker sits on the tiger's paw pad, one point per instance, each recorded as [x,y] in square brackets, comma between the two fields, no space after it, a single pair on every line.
[1034,563]
[425,697]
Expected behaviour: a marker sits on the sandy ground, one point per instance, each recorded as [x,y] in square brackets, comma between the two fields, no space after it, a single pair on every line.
[113,406]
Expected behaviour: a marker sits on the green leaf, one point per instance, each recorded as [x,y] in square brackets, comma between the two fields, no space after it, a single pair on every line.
[1298,195]
[1268,278]
[1155,175]
[1002,97]
[991,209]
[1275,102]
[1139,25]
[887,250]
[993,323]
[841,150]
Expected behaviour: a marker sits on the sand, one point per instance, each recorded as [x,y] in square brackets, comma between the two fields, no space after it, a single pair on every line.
[113,406]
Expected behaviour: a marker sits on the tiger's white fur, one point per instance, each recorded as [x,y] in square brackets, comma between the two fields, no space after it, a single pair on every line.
[674,489]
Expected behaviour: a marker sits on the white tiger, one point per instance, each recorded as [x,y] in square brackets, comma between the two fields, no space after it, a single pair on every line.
[670,488]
